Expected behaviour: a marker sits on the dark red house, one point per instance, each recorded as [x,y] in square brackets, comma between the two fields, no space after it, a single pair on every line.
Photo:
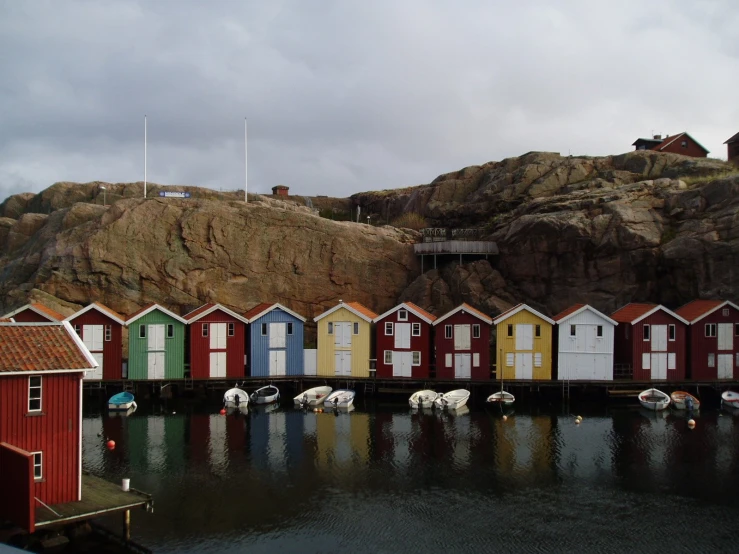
[101,330]
[714,338]
[34,313]
[404,336]
[652,341]
[732,147]
[217,342]
[462,344]
[682,143]
[41,371]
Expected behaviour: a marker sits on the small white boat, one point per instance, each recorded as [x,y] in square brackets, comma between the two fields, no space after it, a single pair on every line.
[312,397]
[502,397]
[730,399]
[654,399]
[235,398]
[341,398]
[682,400]
[265,395]
[121,402]
[422,399]
[452,400]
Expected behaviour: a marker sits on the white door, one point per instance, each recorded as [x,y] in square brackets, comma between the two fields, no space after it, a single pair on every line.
[726,336]
[343,334]
[92,336]
[658,362]
[155,336]
[276,362]
[524,336]
[462,365]
[725,367]
[659,338]
[217,332]
[402,364]
[98,373]
[277,335]
[462,337]
[403,335]
[524,365]
[343,363]
[217,364]
[156,364]
[601,367]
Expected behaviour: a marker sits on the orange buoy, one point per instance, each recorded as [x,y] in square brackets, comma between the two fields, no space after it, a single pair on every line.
[110,444]
[223,411]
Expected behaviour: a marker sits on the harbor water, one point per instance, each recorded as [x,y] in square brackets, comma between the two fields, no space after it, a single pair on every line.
[383,479]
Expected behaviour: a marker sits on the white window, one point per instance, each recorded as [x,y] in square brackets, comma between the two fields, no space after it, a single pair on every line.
[509,359]
[231,330]
[170,331]
[402,315]
[475,359]
[142,331]
[78,330]
[710,329]
[356,328]
[645,332]
[684,144]
[448,360]
[416,358]
[725,312]
[599,331]
[205,329]
[447,331]
[108,333]
[645,361]
[38,465]
[476,331]
[34,394]
[388,328]
[416,329]
[388,357]
[573,330]
[330,328]
[537,359]
[712,360]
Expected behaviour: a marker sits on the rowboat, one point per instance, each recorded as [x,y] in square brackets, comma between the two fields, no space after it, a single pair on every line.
[312,397]
[654,399]
[341,398]
[682,400]
[503,397]
[265,395]
[121,402]
[452,400]
[422,399]
[730,399]
[235,398]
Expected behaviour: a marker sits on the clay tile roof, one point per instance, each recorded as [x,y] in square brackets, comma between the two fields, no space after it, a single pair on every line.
[107,310]
[137,312]
[55,316]
[632,311]
[362,309]
[6,320]
[421,311]
[568,311]
[258,309]
[39,347]
[697,308]
[474,310]
[198,311]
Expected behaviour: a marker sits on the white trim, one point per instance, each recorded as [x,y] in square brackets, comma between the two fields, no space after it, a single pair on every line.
[41,464]
[212,309]
[709,312]
[413,326]
[275,307]
[392,328]
[151,309]
[654,310]
[463,308]
[346,307]
[407,307]
[413,353]
[12,373]
[522,307]
[589,308]
[34,310]
[94,306]
[79,450]
[81,345]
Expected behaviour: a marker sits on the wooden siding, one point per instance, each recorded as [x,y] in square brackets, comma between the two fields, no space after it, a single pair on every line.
[507,345]
[174,348]
[445,346]
[420,344]
[200,346]
[17,505]
[639,346]
[259,344]
[594,361]
[691,148]
[112,349]
[29,316]
[701,346]
[360,348]
[54,432]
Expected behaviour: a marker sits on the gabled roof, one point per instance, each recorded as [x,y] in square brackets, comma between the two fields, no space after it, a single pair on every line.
[647,140]
[262,309]
[411,307]
[150,308]
[735,138]
[669,140]
[115,316]
[209,308]
[465,308]
[698,309]
[40,309]
[579,308]
[354,307]
[508,313]
[634,312]
[42,347]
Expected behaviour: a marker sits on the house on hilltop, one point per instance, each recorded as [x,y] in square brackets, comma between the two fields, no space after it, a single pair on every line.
[732,147]
[682,143]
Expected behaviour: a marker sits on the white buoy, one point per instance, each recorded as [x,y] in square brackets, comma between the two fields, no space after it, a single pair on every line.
[125,485]
[505,418]
[691,423]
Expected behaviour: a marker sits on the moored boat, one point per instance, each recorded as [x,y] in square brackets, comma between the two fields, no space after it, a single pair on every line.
[502,397]
[341,398]
[452,400]
[121,402]
[265,395]
[235,397]
[730,399]
[682,400]
[654,399]
[422,399]
[312,397]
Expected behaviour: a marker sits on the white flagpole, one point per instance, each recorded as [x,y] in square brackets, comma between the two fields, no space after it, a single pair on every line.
[246,167]
[144,155]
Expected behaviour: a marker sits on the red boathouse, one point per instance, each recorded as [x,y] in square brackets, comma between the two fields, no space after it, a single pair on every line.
[462,342]
[101,330]
[34,313]
[217,342]
[404,342]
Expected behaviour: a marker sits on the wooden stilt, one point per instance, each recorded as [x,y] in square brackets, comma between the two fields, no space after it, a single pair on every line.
[127,525]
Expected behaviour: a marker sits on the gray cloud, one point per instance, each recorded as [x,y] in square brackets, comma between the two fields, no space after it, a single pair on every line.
[348,96]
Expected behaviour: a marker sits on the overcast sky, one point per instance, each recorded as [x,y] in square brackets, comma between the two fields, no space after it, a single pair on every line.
[347,96]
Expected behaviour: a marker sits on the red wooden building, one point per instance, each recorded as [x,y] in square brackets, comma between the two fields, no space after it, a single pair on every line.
[101,330]
[652,341]
[682,143]
[217,342]
[34,313]
[41,370]
[404,339]
[732,149]
[462,344]
[714,338]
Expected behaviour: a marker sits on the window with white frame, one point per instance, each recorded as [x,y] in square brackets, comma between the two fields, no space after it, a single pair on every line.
[447,331]
[289,328]
[108,333]
[416,329]
[476,331]
[646,332]
[671,331]
[573,330]
[34,394]
[78,330]
[38,465]
[205,329]
[356,328]
[330,328]
[388,357]
[170,331]
[142,331]
[416,358]
[232,330]
[725,312]
[599,331]
[447,360]
[509,359]
[537,359]
[710,329]
[402,315]
[388,328]
[712,360]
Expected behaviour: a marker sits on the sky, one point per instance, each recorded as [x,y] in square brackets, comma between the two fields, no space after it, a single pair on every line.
[346,96]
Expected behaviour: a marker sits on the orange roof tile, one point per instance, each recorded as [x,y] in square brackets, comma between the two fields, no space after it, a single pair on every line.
[258,309]
[696,308]
[474,310]
[198,311]
[568,311]
[632,311]
[362,309]
[137,312]
[420,310]
[55,316]
[39,347]
[107,310]
[6,320]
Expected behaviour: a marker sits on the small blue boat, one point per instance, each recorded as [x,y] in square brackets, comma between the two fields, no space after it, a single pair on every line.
[121,402]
